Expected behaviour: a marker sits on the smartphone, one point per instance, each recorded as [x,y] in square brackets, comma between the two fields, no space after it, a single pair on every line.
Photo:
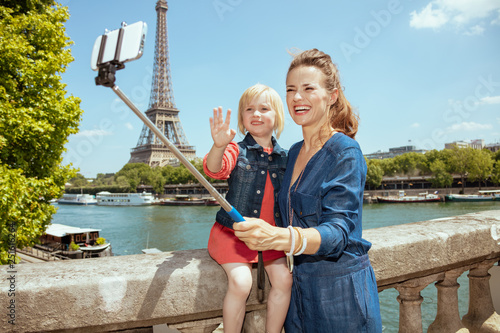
[120,45]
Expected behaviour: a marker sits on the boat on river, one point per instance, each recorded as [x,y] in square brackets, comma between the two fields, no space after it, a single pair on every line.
[67,242]
[77,199]
[124,199]
[403,198]
[211,202]
[183,200]
[490,195]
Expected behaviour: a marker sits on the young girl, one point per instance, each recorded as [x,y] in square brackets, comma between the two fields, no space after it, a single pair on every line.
[254,169]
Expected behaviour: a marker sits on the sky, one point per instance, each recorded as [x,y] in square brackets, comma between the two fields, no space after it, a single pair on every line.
[421,73]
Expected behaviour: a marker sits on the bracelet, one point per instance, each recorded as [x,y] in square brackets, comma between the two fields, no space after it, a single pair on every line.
[292,236]
[302,238]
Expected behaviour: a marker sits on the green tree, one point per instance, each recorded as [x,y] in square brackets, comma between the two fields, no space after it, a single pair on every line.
[78,181]
[496,156]
[168,173]
[430,157]
[481,166]
[389,167]
[495,174]
[156,180]
[461,162]
[36,117]
[407,163]
[440,177]
[122,181]
[183,174]
[136,174]
[104,179]
[374,173]
[198,164]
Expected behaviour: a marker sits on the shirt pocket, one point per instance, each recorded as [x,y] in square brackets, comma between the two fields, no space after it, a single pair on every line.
[307,208]
[246,172]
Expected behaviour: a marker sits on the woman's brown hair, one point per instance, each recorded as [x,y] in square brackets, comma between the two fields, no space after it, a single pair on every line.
[342,116]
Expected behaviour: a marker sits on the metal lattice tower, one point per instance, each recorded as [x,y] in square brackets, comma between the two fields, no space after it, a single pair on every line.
[161,111]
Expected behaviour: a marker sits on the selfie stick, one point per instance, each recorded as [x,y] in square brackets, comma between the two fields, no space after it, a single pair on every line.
[106,77]
[235,215]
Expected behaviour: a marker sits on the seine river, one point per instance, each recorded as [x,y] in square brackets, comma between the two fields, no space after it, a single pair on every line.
[131,229]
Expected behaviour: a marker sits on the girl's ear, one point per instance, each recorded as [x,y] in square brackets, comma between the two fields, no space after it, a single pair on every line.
[333,96]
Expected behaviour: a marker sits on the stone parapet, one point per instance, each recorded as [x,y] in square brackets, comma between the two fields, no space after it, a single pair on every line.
[413,250]
[185,289]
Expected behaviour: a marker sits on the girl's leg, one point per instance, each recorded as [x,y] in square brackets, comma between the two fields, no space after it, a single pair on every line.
[279,295]
[239,276]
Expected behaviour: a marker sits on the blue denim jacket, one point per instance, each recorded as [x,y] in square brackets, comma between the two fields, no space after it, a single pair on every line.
[333,290]
[248,179]
[329,196]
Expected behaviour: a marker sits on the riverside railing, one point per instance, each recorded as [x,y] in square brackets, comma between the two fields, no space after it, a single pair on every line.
[185,289]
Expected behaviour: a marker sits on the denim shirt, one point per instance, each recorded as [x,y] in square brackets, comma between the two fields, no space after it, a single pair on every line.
[248,179]
[328,198]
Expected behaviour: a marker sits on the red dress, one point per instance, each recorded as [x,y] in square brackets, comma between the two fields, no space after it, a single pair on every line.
[223,246]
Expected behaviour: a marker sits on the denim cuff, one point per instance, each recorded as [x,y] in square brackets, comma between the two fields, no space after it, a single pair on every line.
[333,240]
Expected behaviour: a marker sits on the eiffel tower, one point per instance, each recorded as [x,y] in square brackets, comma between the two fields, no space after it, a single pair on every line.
[161,111]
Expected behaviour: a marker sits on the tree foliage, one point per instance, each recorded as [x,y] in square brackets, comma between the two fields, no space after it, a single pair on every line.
[407,163]
[440,177]
[462,161]
[36,116]
[132,175]
[79,181]
[495,176]
[471,164]
[374,173]
[481,166]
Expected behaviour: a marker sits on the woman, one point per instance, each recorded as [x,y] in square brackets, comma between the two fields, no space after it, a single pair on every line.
[334,287]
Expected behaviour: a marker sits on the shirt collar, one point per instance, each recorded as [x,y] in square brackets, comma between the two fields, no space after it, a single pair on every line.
[252,144]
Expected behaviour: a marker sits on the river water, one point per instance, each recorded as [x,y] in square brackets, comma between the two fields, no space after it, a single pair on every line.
[167,228]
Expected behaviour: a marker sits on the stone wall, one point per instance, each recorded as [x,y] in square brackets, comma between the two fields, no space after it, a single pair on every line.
[185,289]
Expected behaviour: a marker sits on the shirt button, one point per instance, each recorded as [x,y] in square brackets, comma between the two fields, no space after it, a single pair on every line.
[256,211]
[270,158]
[258,191]
[277,214]
[248,167]
[274,175]
[261,155]
[263,172]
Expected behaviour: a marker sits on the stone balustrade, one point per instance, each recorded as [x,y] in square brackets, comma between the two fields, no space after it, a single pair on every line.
[185,289]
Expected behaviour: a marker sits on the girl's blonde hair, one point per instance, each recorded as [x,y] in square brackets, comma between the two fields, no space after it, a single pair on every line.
[274,100]
[342,117]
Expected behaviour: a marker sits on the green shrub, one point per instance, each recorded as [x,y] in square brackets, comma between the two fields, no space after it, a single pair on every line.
[73,246]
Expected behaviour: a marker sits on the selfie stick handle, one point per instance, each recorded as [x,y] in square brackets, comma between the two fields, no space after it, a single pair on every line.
[235,215]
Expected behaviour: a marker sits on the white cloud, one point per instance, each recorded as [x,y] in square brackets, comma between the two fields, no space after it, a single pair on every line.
[460,13]
[129,126]
[93,133]
[428,18]
[415,125]
[475,30]
[468,127]
[490,100]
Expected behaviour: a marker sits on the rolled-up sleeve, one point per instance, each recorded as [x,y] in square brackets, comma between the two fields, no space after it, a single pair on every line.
[341,200]
[228,162]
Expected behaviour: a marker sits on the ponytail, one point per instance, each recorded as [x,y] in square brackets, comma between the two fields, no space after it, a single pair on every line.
[342,116]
